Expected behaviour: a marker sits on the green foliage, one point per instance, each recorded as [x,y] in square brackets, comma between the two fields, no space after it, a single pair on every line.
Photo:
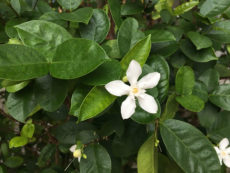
[56,56]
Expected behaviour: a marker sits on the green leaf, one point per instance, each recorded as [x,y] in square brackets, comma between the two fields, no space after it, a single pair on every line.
[200,41]
[221,97]
[183,8]
[28,130]
[98,160]
[131,8]
[15,4]
[159,64]
[74,54]
[17,87]
[185,80]
[9,27]
[210,78]
[212,8]
[139,52]
[105,73]
[96,101]
[46,154]
[111,48]
[223,70]
[191,102]
[18,141]
[32,34]
[69,4]
[191,144]
[50,93]
[98,26]
[54,17]
[166,165]
[164,49]
[30,64]
[14,161]
[77,98]
[115,9]
[171,108]
[147,157]
[144,117]
[128,35]
[160,35]
[200,90]
[81,15]
[204,55]
[22,104]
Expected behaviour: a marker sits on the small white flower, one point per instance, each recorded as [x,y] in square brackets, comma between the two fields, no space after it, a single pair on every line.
[76,152]
[223,152]
[137,89]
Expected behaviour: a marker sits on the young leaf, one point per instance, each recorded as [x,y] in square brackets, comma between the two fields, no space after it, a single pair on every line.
[74,54]
[128,35]
[28,130]
[191,102]
[185,80]
[147,157]
[97,28]
[194,152]
[98,160]
[18,141]
[221,97]
[183,8]
[16,87]
[30,63]
[97,100]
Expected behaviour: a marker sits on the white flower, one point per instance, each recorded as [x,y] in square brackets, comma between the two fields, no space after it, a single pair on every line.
[223,152]
[76,152]
[137,89]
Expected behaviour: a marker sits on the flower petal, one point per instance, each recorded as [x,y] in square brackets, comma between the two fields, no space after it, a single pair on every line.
[148,103]
[217,150]
[73,148]
[128,107]
[149,81]
[117,88]
[224,143]
[133,72]
[228,150]
[226,161]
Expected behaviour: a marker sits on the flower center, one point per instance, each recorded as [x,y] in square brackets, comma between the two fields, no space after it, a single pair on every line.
[135,90]
[77,153]
[223,154]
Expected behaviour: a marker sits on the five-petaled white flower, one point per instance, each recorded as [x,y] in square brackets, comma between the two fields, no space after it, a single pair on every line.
[76,152]
[223,152]
[137,89]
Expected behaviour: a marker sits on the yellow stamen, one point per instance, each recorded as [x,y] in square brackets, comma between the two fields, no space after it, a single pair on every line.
[135,90]
[77,153]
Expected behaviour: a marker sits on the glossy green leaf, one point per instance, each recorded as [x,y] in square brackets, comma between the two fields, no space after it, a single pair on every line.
[54,17]
[14,161]
[191,102]
[111,48]
[159,64]
[81,15]
[128,35]
[77,98]
[105,73]
[171,108]
[212,8]
[185,80]
[30,64]
[194,152]
[97,28]
[18,141]
[131,8]
[139,52]
[204,55]
[147,157]
[200,41]
[200,90]
[69,4]
[28,130]
[42,35]
[158,35]
[22,104]
[186,6]
[115,9]
[210,78]
[98,160]
[96,101]
[221,97]
[165,49]
[74,54]
[17,87]
[50,93]
[10,29]
[46,155]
